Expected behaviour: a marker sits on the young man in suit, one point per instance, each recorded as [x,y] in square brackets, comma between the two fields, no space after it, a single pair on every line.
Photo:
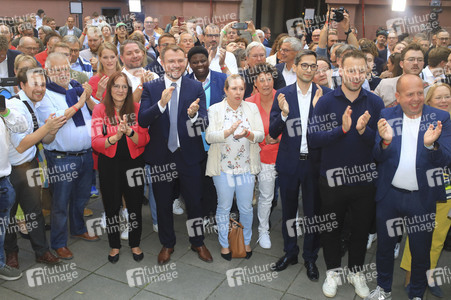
[297,162]
[69,28]
[169,108]
[413,144]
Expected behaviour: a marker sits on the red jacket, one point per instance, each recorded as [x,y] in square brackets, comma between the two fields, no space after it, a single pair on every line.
[41,57]
[98,139]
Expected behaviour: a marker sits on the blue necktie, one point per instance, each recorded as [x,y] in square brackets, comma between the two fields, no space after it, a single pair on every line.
[172,142]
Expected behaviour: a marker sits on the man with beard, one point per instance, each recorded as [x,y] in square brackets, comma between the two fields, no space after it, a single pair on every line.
[343,127]
[297,162]
[94,41]
[412,62]
[168,108]
[220,60]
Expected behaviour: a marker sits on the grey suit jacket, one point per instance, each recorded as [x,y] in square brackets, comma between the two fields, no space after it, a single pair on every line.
[63,31]
[387,89]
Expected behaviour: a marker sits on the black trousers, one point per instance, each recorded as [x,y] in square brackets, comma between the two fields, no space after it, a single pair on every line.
[359,201]
[114,183]
[209,195]
[29,198]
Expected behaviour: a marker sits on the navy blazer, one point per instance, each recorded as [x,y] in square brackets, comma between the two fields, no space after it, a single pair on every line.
[290,143]
[155,67]
[11,55]
[150,116]
[426,160]
[217,81]
[383,54]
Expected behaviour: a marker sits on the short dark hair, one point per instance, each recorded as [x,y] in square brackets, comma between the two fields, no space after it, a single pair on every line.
[174,48]
[411,46]
[302,53]
[265,68]
[241,40]
[167,35]
[197,50]
[22,75]
[325,59]
[437,55]
[50,35]
[354,54]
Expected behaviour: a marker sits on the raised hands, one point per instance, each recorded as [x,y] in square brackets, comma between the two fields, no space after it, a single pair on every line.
[346,119]
[318,94]
[101,86]
[362,122]
[166,96]
[385,131]
[193,108]
[432,134]
[283,105]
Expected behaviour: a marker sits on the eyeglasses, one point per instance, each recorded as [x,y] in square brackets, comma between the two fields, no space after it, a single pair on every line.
[212,35]
[147,22]
[285,50]
[255,56]
[74,50]
[444,38]
[312,67]
[413,59]
[321,71]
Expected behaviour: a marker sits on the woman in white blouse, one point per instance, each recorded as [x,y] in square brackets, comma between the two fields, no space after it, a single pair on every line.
[234,132]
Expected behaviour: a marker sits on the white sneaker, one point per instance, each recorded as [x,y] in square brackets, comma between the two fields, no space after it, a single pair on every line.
[330,285]
[371,238]
[378,294]
[124,214]
[155,227]
[177,208]
[397,247]
[103,220]
[359,282]
[264,240]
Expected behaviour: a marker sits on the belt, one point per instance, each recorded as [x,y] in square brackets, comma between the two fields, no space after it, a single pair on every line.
[303,156]
[71,153]
[403,190]
[24,165]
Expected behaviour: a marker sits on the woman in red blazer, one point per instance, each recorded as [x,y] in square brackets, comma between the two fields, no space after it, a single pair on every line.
[120,142]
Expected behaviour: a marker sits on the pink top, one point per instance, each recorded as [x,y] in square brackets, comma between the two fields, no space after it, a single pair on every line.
[268,153]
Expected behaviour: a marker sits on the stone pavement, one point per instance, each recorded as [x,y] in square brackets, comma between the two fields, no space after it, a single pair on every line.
[90,276]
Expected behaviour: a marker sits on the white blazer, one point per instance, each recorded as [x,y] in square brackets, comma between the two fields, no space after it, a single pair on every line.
[215,136]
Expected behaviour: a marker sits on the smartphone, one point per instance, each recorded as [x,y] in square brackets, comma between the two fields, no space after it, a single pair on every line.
[2,103]
[181,20]
[239,26]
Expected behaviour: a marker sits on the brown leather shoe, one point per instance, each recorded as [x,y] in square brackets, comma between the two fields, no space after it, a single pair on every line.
[85,236]
[203,253]
[48,258]
[12,260]
[165,255]
[64,253]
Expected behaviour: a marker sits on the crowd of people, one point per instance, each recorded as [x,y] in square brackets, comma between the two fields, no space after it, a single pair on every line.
[221,118]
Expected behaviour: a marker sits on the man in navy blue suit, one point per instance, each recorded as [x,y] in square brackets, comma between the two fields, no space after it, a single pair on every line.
[297,162]
[169,108]
[412,147]
[213,84]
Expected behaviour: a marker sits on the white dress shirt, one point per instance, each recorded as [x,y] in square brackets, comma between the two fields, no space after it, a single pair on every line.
[230,61]
[15,157]
[13,122]
[289,75]
[167,84]
[69,136]
[406,174]
[135,80]
[304,108]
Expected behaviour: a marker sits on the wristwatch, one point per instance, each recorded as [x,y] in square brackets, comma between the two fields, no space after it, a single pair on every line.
[349,31]
[131,134]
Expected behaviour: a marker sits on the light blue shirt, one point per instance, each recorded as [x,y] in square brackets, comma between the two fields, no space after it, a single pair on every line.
[15,157]
[69,137]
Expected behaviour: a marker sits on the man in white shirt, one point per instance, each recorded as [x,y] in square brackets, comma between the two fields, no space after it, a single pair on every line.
[11,121]
[150,35]
[94,42]
[288,50]
[69,154]
[438,57]
[39,15]
[22,155]
[220,62]
[413,145]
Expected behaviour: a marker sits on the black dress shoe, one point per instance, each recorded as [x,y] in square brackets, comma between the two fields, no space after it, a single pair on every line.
[283,263]
[138,257]
[312,270]
[227,256]
[113,259]
[248,254]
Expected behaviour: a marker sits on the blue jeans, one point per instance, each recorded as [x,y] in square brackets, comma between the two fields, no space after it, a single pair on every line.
[226,186]
[7,198]
[152,203]
[70,193]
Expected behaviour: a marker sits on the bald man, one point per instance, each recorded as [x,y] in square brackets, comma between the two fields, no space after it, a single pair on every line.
[413,145]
